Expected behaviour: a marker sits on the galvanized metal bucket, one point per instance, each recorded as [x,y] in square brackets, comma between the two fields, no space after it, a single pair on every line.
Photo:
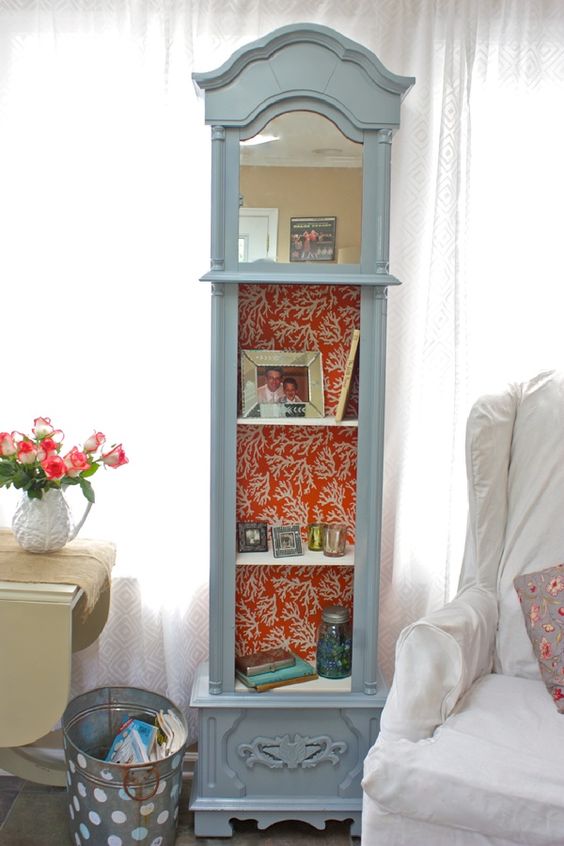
[117,804]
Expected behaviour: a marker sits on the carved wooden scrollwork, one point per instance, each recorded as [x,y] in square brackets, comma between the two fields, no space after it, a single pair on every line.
[278,752]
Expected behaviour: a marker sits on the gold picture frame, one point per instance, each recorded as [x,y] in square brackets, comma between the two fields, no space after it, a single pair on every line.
[303,369]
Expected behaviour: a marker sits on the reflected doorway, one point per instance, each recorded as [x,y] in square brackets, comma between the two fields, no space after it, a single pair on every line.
[258,234]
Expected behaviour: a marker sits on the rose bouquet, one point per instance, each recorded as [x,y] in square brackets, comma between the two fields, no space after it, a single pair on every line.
[38,462]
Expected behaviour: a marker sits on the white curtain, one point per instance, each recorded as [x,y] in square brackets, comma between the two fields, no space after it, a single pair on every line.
[104,209]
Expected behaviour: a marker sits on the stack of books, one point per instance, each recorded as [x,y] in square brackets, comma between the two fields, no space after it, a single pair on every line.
[273,668]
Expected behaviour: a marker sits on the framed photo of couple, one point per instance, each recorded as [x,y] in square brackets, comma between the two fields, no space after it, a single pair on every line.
[277,384]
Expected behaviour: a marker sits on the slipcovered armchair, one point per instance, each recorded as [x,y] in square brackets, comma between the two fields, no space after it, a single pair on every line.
[471,746]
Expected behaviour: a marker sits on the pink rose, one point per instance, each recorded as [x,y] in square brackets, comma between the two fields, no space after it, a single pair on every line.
[26,452]
[46,447]
[76,461]
[7,444]
[93,442]
[54,467]
[42,427]
[556,585]
[115,457]
[545,649]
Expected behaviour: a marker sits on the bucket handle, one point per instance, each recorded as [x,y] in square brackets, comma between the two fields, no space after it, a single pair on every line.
[128,777]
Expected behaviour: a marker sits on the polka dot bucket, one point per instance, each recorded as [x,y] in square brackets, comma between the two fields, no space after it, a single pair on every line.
[118,804]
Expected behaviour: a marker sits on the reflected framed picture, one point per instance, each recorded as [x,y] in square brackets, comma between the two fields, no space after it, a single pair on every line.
[312,238]
[286,541]
[252,537]
[279,384]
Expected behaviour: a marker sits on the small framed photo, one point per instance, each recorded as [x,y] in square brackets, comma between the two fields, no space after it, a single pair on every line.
[252,537]
[312,238]
[286,541]
[280,384]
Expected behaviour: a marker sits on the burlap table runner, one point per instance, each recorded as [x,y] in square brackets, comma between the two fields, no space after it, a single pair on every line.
[86,563]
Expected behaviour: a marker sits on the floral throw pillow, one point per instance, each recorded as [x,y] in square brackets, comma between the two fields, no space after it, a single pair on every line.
[542,602]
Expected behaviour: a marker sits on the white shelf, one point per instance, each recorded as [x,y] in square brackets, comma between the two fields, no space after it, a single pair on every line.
[308,559]
[296,421]
[318,685]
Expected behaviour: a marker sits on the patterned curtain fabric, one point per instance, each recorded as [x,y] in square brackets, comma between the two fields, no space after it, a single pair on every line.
[104,209]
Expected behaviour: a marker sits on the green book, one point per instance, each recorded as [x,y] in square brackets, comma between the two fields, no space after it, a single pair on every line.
[301,671]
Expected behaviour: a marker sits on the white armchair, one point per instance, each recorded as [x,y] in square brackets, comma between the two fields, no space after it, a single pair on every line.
[471,746]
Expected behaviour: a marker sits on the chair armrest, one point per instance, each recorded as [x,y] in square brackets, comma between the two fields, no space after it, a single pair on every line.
[437,660]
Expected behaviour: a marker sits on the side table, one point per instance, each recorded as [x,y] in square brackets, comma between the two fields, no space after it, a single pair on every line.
[50,606]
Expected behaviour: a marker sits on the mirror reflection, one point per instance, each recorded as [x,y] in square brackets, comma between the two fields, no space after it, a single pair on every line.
[301,192]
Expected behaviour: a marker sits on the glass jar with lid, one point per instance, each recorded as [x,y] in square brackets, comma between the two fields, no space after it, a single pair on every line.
[334,643]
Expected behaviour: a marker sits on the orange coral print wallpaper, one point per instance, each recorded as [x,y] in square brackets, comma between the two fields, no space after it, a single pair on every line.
[281,606]
[296,474]
[294,318]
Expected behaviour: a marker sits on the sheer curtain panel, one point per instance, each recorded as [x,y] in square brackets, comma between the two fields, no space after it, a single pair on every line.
[104,209]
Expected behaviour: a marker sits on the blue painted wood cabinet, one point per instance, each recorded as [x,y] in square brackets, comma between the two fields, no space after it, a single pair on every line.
[295,752]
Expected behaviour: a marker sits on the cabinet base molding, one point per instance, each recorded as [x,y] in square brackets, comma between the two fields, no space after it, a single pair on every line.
[215,819]
[270,757]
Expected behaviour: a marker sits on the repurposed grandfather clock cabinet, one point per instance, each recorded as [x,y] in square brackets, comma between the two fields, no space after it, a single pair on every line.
[301,125]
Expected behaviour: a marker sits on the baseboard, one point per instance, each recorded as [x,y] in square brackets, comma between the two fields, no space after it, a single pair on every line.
[189,763]
[50,748]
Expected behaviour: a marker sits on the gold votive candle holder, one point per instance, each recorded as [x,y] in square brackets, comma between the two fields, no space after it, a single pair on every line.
[315,536]
[335,539]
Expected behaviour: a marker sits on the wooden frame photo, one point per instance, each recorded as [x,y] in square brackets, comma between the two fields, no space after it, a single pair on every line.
[252,537]
[286,541]
[277,384]
[312,238]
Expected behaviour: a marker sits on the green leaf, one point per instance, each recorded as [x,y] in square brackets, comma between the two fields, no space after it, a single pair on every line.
[21,478]
[35,488]
[91,470]
[69,480]
[7,469]
[87,489]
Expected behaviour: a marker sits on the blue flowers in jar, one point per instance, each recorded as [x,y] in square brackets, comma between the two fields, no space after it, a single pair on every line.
[334,643]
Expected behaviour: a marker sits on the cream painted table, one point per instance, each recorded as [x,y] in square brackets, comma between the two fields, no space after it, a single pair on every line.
[50,606]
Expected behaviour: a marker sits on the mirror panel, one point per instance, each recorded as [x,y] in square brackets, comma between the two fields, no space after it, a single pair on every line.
[302,166]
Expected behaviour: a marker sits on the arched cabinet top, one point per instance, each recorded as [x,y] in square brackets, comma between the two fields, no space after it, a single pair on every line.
[304,66]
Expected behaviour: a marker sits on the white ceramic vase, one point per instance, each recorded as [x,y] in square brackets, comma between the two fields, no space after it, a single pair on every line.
[46,524]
